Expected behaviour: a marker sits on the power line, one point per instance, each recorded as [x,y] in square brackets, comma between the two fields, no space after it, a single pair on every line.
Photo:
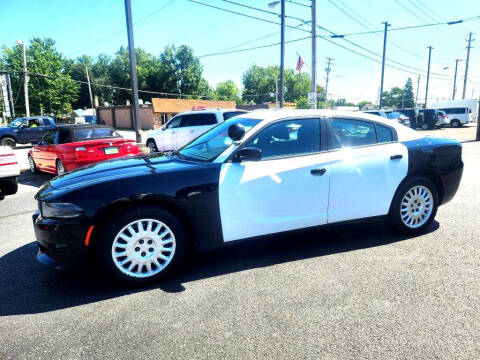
[297,28]
[453,22]
[113,35]
[245,15]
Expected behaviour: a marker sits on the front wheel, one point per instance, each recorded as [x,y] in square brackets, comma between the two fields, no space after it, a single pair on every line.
[152,147]
[142,245]
[414,206]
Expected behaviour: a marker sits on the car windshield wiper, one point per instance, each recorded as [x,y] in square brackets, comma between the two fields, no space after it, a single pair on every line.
[172,153]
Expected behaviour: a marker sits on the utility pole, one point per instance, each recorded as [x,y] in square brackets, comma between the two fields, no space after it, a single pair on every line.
[314,51]
[276,92]
[455,79]
[327,70]
[89,90]
[428,74]
[478,122]
[282,54]
[466,64]
[380,102]
[26,78]
[418,87]
[133,70]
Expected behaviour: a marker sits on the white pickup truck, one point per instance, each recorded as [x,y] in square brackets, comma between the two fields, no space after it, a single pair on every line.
[9,171]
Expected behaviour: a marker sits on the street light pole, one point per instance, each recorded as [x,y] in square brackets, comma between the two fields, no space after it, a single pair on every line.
[455,79]
[282,54]
[380,102]
[25,80]
[314,51]
[89,90]
[133,70]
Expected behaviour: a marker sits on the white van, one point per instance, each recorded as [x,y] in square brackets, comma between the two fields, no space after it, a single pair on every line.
[458,115]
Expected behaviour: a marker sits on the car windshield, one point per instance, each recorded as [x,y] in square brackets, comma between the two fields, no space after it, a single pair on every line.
[393,115]
[211,144]
[94,133]
[16,123]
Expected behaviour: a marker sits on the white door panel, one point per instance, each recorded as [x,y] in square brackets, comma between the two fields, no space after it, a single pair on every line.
[187,134]
[270,196]
[363,180]
[165,139]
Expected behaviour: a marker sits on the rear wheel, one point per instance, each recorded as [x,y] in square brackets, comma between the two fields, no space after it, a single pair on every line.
[31,165]
[414,206]
[455,123]
[152,146]
[9,186]
[142,245]
[60,167]
[8,141]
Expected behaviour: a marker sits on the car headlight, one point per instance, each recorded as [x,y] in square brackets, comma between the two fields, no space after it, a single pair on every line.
[60,210]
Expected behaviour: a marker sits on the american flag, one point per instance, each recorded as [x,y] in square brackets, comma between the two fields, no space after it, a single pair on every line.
[299,63]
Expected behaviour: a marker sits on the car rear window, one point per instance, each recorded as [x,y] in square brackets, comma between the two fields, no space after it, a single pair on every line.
[94,133]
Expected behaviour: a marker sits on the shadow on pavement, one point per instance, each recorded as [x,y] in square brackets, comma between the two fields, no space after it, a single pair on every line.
[27,287]
[36,180]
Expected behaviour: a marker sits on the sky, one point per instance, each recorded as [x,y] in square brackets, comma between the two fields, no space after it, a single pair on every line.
[93,27]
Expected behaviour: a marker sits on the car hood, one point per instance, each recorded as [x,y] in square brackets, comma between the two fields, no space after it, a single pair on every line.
[118,169]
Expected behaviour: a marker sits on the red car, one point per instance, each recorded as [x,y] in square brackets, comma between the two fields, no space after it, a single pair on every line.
[68,147]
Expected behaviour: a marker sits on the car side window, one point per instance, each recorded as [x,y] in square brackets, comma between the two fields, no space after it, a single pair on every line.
[64,137]
[351,133]
[288,138]
[198,120]
[175,122]
[49,138]
[384,134]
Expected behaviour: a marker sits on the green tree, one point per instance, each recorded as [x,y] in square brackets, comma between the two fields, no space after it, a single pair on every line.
[393,98]
[408,98]
[227,90]
[259,84]
[302,103]
[53,91]
[343,102]
[363,104]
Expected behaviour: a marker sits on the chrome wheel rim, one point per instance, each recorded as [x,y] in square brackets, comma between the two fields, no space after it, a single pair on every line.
[143,248]
[151,147]
[31,163]
[416,206]
[60,168]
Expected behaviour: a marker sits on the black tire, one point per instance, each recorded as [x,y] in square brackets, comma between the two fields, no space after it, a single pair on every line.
[61,169]
[152,146]
[103,250]
[396,210]
[9,186]
[31,165]
[8,141]
[455,123]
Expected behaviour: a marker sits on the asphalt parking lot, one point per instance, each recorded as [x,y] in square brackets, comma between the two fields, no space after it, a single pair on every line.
[346,292]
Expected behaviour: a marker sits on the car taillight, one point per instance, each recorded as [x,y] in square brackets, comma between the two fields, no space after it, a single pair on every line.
[444,116]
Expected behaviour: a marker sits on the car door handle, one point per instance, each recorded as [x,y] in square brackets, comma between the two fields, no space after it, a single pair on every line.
[318,172]
[396,157]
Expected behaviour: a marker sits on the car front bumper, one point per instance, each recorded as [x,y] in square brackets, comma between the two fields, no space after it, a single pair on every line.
[60,242]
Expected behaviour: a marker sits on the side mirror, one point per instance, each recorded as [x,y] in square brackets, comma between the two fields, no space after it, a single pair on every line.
[248,154]
[236,132]
[164,127]
[34,142]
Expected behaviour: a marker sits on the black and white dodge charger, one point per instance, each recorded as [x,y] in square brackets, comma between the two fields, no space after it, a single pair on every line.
[261,173]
